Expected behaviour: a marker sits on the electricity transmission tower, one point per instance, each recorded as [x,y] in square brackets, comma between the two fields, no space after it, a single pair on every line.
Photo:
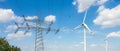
[39,38]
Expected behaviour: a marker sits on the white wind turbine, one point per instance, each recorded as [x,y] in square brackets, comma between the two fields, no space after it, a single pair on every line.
[106,44]
[85,28]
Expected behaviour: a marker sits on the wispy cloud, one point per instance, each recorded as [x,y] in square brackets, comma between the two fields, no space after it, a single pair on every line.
[64,29]
[101,8]
[101,2]
[31,18]
[11,28]
[82,42]
[82,5]
[108,17]
[114,34]
[18,36]
[50,19]
[27,48]
[93,45]
[6,14]
[9,15]
[59,37]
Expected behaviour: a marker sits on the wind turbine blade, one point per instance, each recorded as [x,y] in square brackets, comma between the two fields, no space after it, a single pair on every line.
[77,27]
[85,25]
[85,16]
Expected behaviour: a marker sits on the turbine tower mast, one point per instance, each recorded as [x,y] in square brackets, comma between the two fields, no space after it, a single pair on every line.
[84,32]
[85,39]
[106,44]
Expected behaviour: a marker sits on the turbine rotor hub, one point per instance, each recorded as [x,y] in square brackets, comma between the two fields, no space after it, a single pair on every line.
[83,24]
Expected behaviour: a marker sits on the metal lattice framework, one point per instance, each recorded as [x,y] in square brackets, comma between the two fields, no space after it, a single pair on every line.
[39,40]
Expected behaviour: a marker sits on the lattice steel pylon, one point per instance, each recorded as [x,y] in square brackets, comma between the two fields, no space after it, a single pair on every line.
[39,40]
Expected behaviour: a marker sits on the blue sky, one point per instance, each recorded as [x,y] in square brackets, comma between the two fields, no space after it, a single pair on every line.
[103,18]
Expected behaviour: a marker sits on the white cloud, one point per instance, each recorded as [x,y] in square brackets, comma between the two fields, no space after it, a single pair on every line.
[74,3]
[50,19]
[27,48]
[64,29]
[82,42]
[85,4]
[114,34]
[11,28]
[92,45]
[59,37]
[77,44]
[31,17]
[101,8]
[101,2]
[6,15]
[108,17]
[53,46]
[20,19]
[19,35]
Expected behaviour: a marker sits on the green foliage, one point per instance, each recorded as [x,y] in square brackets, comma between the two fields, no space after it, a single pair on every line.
[5,46]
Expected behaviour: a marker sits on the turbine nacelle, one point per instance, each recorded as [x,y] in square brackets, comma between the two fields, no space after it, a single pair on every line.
[85,26]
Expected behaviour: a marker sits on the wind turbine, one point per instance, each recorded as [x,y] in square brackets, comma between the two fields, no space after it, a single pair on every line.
[85,28]
[106,44]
